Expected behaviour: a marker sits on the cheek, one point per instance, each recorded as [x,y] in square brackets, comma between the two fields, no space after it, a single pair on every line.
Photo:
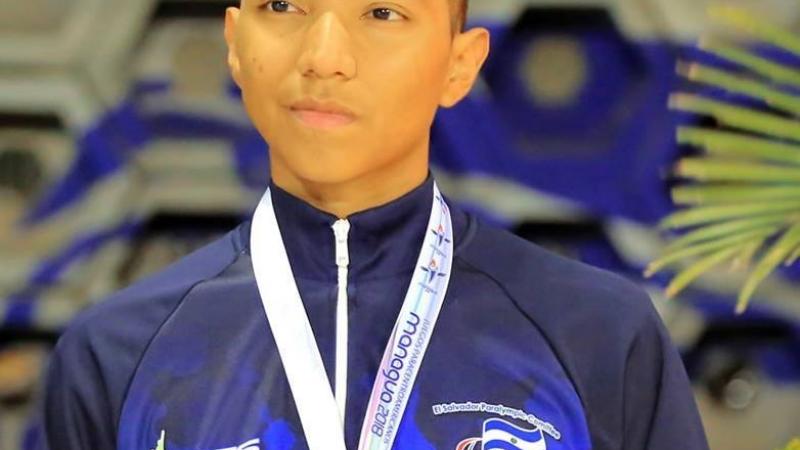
[410,86]
[260,67]
[254,93]
[262,74]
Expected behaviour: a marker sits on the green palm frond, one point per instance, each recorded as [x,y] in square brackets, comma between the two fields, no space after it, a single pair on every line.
[741,117]
[757,65]
[742,205]
[749,87]
[758,29]
[738,145]
[794,445]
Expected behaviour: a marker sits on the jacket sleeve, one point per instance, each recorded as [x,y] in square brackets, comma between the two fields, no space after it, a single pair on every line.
[75,412]
[660,412]
[96,358]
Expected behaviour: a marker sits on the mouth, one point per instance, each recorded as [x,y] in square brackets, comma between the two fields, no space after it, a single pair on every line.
[322,115]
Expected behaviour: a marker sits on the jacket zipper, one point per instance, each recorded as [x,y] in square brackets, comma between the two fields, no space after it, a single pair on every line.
[341,229]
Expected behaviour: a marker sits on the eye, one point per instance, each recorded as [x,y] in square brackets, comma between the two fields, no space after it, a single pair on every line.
[279,6]
[385,14]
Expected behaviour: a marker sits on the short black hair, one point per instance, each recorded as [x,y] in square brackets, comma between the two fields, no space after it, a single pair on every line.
[460,9]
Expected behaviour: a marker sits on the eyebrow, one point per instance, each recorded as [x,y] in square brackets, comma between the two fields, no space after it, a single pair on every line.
[426,4]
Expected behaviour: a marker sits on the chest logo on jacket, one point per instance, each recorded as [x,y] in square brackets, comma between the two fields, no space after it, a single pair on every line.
[499,433]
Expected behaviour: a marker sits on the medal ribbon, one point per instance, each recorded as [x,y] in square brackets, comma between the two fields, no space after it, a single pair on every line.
[298,349]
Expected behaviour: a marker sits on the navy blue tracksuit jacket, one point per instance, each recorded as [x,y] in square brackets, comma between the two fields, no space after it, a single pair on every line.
[523,335]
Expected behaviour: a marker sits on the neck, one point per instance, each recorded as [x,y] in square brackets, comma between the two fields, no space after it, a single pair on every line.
[344,198]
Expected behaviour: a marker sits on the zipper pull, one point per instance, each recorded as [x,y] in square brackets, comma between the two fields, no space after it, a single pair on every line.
[341,228]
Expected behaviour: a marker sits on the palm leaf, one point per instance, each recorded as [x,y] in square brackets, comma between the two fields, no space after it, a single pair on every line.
[694,271]
[741,117]
[720,230]
[744,259]
[793,257]
[700,215]
[757,28]
[752,88]
[726,193]
[727,143]
[707,169]
[705,248]
[794,445]
[741,198]
[757,65]
[778,253]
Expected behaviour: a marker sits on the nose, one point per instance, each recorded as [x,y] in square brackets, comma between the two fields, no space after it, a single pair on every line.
[326,50]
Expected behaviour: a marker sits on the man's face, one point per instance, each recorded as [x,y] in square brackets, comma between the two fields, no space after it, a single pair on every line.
[341,88]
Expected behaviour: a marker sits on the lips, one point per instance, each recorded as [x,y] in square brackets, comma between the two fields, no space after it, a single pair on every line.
[322,114]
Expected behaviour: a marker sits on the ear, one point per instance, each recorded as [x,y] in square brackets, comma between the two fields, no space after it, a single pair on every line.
[470,50]
[231,22]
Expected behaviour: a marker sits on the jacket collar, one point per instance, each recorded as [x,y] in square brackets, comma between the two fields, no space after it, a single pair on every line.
[384,241]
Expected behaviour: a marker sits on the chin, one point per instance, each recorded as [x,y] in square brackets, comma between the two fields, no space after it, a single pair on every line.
[320,171]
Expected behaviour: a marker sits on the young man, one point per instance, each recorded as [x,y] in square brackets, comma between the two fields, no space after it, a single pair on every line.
[358,309]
